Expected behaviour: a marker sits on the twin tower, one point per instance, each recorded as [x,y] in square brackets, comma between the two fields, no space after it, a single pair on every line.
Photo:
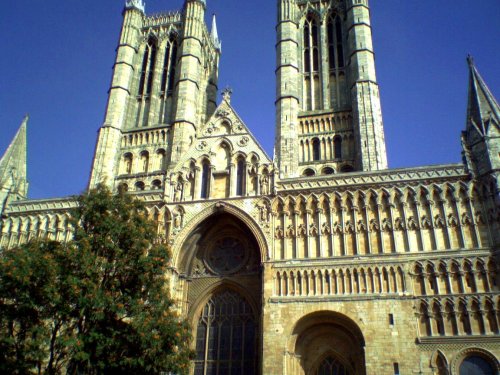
[164,90]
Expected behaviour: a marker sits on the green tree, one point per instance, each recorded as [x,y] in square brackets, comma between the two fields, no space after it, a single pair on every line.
[96,305]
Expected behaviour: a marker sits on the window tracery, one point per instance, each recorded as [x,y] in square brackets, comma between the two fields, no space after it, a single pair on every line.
[226,336]
[331,366]
[311,64]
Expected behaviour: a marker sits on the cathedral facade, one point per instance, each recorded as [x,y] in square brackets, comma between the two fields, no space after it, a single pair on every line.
[320,260]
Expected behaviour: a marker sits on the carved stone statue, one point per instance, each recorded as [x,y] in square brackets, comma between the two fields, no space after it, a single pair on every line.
[178,189]
[264,185]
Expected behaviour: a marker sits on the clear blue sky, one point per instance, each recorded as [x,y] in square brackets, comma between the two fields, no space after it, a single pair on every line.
[57,57]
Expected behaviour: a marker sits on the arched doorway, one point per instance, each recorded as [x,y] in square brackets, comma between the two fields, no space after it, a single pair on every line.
[327,343]
[220,261]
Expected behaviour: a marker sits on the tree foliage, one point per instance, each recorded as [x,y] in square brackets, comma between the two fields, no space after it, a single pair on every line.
[96,305]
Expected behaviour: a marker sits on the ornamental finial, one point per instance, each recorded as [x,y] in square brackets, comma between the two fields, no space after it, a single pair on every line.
[226,94]
[137,4]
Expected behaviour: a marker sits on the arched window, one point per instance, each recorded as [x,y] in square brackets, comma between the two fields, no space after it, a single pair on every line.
[144,161]
[240,171]
[331,366]
[168,78]
[311,63]
[327,170]
[335,44]
[127,163]
[309,172]
[148,67]
[160,155]
[139,186]
[226,336]
[316,149]
[143,71]
[205,178]
[310,45]
[475,365]
[337,145]
[156,184]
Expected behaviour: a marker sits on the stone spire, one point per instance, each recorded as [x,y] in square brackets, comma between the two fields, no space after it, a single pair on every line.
[482,107]
[214,35]
[13,176]
[137,4]
[481,138]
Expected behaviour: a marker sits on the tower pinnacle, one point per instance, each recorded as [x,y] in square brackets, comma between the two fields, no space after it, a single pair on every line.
[214,35]
[137,4]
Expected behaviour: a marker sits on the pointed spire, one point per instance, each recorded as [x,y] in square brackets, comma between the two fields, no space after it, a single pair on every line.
[482,107]
[13,174]
[214,34]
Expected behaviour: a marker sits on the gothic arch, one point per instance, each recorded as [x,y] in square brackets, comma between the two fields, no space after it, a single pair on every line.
[479,352]
[322,334]
[214,209]
[439,363]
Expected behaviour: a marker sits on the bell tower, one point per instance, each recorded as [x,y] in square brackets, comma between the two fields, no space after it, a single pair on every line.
[164,87]
[328,110]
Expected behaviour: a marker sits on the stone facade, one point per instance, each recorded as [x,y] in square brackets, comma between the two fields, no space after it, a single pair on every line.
[322,261]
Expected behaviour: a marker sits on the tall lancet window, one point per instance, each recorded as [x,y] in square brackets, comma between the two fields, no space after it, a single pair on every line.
[147,68]
[205,179]
[336,61]
[312,87]
[168,77]
[240,174]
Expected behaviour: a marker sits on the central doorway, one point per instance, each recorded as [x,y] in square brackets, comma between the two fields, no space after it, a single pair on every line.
[222,263]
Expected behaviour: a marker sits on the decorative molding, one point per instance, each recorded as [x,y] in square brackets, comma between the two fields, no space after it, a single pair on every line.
[406,175]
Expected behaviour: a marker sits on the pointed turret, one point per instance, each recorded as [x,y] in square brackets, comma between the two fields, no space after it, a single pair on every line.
[481,138]
[137,4]
[214,34]
[482,107]
[13,176]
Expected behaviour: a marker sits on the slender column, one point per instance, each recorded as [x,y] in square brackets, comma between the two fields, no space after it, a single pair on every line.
[325,68]
[331,235]
[308,251]
[211,182]
[233,180]
[392,232]
[342,214]
[246,179]
[356,232]
[419,223]
[296,237]
[319,237]
[430,211]
[368,237]
[380,233]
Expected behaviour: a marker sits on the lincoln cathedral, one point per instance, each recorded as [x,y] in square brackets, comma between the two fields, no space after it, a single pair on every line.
[319,260]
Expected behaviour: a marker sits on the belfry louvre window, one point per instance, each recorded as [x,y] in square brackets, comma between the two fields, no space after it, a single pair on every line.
[335,48]
[226,337]
[148,67]
[167,81]
[311,63]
